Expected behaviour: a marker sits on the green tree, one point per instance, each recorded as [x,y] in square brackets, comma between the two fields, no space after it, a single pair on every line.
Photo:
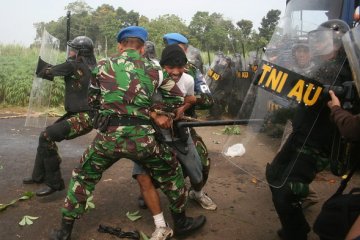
[242,36]
[245,27]
[269,23]
[78,7]
[212,31]
[162,25]
[107,21]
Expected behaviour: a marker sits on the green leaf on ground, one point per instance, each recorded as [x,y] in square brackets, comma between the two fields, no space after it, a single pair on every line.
[25,196]
[133,216]
[143,236]
[27,220]
[233,130]
[89,203]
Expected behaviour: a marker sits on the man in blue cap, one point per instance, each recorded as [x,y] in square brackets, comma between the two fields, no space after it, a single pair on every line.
[125,85]
[175,38]
[204,100]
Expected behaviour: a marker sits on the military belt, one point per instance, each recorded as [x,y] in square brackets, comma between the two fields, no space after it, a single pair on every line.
[128,121]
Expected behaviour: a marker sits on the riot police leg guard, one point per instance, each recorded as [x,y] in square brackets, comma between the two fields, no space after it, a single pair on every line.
[51,159]
[184,225]
[39,171]
[64,233]
[289,210]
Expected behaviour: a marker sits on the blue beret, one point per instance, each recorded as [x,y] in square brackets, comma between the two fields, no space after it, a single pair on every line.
[174,38]
[132,31]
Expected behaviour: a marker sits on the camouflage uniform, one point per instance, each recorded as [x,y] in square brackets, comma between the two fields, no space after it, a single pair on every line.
[127,84]
[76,122]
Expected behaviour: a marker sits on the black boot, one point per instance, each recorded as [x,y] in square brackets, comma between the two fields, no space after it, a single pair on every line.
[65,232]
[185,225]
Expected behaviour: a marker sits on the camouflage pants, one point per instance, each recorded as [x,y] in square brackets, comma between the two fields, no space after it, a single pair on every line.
[301,189]
[47,162]
[133,142]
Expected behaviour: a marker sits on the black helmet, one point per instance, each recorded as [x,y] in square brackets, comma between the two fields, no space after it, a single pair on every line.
[149,50]
[193,55]
[301,42]
[327,37]
[338,26]
[83,45]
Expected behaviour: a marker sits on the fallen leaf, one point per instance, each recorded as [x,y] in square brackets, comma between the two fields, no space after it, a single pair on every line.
[133,216]
[143,236]
[254,180]
[27,220]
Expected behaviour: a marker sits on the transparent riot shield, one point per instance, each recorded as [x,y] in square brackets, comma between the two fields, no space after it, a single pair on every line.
[241,84]
[194,56]
[220,78]
[41,89]
[351,41]
[284,111]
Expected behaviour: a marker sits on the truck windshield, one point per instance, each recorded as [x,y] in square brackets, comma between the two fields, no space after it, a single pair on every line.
[315,12]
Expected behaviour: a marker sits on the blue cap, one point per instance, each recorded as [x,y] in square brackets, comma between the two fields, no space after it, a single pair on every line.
[132,31]
[174,38]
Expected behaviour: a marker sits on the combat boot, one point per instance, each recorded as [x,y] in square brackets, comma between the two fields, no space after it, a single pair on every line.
[184,225]
[65,232]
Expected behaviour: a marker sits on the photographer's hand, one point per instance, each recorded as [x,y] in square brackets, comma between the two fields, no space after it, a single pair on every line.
[334,100]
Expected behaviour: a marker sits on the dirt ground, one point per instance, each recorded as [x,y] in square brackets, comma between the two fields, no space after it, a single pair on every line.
[245,209]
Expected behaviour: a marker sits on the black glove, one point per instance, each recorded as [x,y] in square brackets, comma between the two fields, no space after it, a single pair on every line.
[42,70]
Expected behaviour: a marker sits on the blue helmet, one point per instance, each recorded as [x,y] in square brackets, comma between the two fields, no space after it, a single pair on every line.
[175,38]
[133,31]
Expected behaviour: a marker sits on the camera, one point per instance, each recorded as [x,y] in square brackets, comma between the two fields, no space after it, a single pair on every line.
[345,92]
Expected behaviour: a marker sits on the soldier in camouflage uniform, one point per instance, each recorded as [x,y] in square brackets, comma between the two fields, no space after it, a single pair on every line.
[126,85]
[204,100]
[173,60]
[76,122]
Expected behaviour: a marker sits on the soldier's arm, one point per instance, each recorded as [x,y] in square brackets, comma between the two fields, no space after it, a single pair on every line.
[63,69]
[161,120]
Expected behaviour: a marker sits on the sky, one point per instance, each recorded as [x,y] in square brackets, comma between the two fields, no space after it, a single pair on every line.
[18,16]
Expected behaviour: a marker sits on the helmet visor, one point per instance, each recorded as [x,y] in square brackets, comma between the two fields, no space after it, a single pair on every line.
[71,52]
[321,42]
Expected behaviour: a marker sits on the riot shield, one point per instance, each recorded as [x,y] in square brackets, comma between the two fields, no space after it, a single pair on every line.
[220,77]
[194,56]
[241,84]
[41,89]
[351,41]
[285,105]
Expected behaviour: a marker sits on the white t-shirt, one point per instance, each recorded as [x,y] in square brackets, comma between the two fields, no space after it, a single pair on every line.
[186,85]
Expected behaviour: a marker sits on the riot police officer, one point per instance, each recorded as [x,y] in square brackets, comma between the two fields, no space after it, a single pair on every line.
[222,88]
[77,120]
[306,151]
[149,50]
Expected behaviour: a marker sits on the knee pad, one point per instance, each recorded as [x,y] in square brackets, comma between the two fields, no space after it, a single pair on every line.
[58,131]
[44,139]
